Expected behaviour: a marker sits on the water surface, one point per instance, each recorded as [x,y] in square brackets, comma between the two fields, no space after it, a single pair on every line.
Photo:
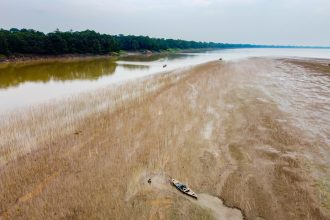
[25,84]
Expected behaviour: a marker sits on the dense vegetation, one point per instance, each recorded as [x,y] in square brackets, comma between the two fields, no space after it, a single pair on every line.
[27,41]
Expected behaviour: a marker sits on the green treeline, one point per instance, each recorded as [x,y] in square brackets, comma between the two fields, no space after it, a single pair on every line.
[27,41]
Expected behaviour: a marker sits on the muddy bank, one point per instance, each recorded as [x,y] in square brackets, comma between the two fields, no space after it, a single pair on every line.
[43,58]
[19,58]
[321,66]
[253,132]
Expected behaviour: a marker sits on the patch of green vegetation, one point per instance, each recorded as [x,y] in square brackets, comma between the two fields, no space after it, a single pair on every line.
[119,53]
[173,50]
[114,54]
[122,52]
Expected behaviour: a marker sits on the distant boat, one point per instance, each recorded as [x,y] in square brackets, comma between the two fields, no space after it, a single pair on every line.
[164,66]
[183,188]
[220,59]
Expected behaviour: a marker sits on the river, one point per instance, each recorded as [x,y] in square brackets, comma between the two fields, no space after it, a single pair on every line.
[30,83]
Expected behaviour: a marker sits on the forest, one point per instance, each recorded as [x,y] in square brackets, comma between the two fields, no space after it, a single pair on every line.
[29,41]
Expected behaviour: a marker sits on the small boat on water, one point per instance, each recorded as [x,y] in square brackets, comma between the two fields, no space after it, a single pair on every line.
[183,188]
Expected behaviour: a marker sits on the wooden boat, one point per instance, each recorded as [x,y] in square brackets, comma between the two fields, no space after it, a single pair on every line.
[183,188]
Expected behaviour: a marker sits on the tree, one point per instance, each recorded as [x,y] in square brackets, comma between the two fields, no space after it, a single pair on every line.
[96,48]
[55,44]
[135,45]
[28,41]
[3,44]
[14,30]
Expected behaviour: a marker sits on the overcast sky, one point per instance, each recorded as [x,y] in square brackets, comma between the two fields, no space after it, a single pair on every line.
[285,22]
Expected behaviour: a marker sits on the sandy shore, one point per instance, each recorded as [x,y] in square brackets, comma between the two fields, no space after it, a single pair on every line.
[252,138]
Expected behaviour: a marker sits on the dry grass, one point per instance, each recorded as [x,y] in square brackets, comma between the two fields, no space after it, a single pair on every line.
[90,157]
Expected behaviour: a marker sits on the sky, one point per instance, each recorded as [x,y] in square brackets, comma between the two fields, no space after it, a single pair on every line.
[272,22]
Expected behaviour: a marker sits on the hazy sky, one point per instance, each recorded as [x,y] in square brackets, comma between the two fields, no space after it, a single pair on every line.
[298,22]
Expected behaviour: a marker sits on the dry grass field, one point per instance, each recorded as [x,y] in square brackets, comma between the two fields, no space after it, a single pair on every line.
[246,136]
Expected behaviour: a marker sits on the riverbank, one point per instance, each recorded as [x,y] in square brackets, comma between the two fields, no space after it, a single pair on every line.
[252,132]
[18,58]
[35,57]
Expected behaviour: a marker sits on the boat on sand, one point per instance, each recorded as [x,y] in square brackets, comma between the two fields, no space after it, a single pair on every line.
[183,188]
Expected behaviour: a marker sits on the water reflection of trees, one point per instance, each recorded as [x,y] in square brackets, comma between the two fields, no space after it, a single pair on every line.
[15,74]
